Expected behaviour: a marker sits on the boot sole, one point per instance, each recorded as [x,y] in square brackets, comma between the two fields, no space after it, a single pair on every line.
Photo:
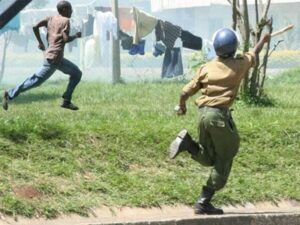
[199,212]
[70,108]
[174,146]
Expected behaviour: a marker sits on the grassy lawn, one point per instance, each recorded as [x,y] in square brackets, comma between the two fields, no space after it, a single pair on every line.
[113,151]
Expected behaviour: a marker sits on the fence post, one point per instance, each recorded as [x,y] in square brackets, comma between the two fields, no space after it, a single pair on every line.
[116,65]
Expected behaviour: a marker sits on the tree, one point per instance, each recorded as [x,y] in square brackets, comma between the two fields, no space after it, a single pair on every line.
[6,40]
[254,81]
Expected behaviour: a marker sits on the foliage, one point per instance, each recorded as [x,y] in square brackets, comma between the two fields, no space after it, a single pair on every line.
[253,83]
[196,60]
[263,101]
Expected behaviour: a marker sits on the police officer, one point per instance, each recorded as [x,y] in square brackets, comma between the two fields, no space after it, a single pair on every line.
[218,142]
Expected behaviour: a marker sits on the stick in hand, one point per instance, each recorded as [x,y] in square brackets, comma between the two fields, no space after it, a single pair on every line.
[282,30]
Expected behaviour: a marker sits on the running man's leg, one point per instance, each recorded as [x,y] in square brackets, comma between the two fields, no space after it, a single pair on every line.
[35,80]
[75,74]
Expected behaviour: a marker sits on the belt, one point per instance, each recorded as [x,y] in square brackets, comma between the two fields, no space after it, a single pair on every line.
[225,111]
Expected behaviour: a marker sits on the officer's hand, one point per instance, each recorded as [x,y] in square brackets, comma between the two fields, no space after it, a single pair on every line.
[183,109]
[41,47]
[180,110]
[267,37]
[78,34]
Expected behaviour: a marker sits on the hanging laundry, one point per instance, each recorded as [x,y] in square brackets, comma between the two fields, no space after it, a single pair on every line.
[167,33]
[208,50]
[77,25]
[191,41]
[158,49]
[89,52]
[88,26]
[126,40]
[172,63]
[144,24]
[105,23]
[138,48]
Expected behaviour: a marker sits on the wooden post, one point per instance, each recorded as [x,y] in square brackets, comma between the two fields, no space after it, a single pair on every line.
[116,65]
[234,15]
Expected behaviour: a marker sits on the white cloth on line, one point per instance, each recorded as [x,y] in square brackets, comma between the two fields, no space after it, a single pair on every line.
[105,22]
[208,49]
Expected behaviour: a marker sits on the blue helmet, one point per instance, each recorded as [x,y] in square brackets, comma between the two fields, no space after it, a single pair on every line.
[225,42]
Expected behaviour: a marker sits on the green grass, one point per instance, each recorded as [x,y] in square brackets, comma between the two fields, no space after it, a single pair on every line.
[113,151]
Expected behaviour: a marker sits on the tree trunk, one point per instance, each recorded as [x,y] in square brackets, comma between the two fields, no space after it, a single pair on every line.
[253,83]
[265,63]
[256,12]
[256,74]
[245,88]
[6,38]
[234,15]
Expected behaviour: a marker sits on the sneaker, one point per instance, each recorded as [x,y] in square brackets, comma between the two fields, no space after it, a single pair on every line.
[177,145]
[5,100]
[207,209]
[69,105]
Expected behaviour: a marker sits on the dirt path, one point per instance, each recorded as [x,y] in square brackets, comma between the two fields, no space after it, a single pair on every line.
[116,215]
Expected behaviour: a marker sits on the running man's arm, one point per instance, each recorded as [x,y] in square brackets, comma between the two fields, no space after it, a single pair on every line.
[70,38]
[36,30]
[66,34]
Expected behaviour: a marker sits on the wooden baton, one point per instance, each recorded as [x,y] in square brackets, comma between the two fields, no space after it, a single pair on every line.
[282,30]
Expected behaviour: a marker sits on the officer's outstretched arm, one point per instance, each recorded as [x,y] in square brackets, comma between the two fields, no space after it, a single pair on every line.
[258,47]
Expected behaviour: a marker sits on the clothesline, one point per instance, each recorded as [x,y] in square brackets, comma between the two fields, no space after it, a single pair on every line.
[166,35]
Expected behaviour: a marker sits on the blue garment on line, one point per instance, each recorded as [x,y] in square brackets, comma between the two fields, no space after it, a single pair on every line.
[158,49]
[172,64]
[138,49]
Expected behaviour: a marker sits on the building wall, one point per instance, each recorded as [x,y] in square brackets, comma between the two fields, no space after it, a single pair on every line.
[204,21]
[283,15]
[160,5]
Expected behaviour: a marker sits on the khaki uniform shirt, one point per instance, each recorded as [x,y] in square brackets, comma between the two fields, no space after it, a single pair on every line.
[219,80]
[56,25]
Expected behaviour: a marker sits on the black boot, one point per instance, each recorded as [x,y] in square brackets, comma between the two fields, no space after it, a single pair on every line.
[69,105]
[183,142]
[203,205]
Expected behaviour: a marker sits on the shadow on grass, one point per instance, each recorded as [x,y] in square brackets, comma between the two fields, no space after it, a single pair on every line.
[52,131]
[16,136]
[28,98]
[20,135]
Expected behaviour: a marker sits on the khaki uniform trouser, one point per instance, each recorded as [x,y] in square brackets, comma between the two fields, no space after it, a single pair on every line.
[218,144]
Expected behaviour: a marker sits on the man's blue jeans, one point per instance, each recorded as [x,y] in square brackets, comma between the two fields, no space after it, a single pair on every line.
[45,72]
